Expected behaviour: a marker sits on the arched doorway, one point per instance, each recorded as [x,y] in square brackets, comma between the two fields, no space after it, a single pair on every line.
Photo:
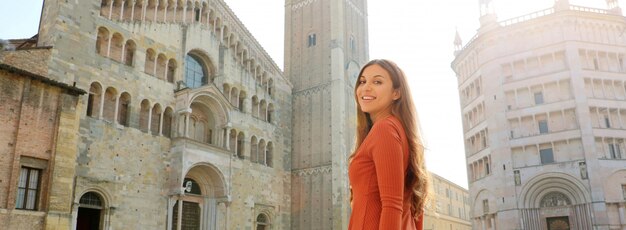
[190,218]
[556,200]
[203,189]
[90,215]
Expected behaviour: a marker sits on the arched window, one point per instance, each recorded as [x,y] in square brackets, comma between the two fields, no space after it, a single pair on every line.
[262,222]
[195,73]
[270,111]
[167,122]
[261,156]
[129,52]
[269,151]
[149,66]
[161,66]
[270,87]
[123,110]
[109,104]
[144,115]
[202,123]
[102,41]
[137,12]
[171,70]
[90,211]
[155,119]
[242,97]
[232,140]
[240,138]
[255,107]
[253,149]
[105,7]
[263,110]
[93,102]
[189,13]
[117,43]
[234,92]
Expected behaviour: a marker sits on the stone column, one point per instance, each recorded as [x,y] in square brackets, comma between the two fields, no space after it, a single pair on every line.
[132,10]
[161,124]
[179,220]
[482,223]
[186,129]
[103,92]
[150,119]
[122,10]
[111,8]
[227,138]
[117,105]
[622,217]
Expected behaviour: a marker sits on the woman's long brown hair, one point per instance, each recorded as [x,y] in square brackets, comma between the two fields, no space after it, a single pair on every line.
[417,177]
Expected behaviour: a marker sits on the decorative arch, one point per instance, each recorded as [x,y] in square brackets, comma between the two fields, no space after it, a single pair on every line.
[261,152]
[129,52]
[102,41]
[540,186]
[150,63]
[269,154]
[168,115]
[255,106]
[94,100]
[209,178]
[263,221]
[213,102]
[240,144]
[254,149]
[116,47]
[110,97]
[104,195]
[92,209]
[171,70]
[209,112]
[199,207]
[144,115]
[161,67]
[123,109]
[155,119]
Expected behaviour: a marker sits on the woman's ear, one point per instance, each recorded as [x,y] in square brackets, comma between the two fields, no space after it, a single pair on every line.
[396,94]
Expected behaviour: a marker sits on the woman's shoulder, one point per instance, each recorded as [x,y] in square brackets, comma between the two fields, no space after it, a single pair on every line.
[388,125]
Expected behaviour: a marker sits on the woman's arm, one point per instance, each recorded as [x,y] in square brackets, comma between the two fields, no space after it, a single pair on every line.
[387,155]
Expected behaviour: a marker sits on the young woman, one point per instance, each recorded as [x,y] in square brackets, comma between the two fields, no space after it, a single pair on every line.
[388,177]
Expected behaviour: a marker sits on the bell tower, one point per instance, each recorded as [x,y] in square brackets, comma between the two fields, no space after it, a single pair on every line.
[326,44]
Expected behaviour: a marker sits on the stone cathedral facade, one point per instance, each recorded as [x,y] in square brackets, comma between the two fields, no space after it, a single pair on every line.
[168,114]
[543,98]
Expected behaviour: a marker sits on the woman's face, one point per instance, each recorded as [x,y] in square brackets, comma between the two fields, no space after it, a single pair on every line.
[375,92]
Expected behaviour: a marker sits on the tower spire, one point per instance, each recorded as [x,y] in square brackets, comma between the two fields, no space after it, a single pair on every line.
[487,13]
[458,43]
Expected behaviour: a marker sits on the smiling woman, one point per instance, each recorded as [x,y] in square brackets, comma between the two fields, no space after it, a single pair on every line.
[387,172]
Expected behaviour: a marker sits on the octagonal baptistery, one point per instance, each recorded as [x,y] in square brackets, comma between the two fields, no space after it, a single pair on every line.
[543,98]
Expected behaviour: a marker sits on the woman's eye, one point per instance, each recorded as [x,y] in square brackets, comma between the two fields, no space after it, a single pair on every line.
[378,82]
[361,82]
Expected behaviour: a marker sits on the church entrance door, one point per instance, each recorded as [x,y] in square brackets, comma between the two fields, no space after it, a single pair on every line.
[88,218]
[558,223]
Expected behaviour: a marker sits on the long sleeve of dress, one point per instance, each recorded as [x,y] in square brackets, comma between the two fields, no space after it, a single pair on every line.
[388,157]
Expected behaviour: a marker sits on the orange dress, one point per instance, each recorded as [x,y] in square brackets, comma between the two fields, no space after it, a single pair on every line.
[379,199]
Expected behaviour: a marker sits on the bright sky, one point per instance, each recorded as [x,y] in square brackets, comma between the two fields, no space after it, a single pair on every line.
[418,35]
